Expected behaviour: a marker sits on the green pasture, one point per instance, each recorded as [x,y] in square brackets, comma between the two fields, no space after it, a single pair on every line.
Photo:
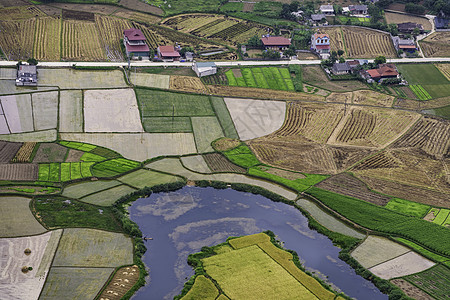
[437,90]
[167,124]
[203,288]
[206,130]
[422,74]
[435,281]
[242,156]
[109,196]
[408,207]
[56,172]
[81,189]
[224,117]
[442,216]
[114,167]
[443,112]
[78,146]
[146,178]
[353,20]
[268,78]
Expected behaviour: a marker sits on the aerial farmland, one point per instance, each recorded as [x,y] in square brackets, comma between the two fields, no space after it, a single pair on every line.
[224,150]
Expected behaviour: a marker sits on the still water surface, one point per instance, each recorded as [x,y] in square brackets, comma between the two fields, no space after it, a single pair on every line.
[182,222]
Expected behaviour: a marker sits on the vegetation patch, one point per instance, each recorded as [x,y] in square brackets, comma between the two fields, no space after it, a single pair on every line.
[203,288]
[109,196]
[224,117]
[267,78]
[434,281]
[242,156]
[408,207]
[146,178]
[114,167]
[206,130]
[50,152]
[123,280]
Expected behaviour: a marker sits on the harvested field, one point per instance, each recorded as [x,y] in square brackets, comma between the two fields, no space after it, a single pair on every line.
[380,160]
[81,189]
[429,135]
[18,113]
[111,31]
[80,40]
[8,151]
[97,8]
[219,164]
[340,97]
[206,130]
[50,152]
[187,84]
[225,144]
[100,105]
[81,247]
[47,46]
[19,172]
[24,153]
[315,76]
[123,280]
[434,281]
[336,38]
[146,178]
[445,70]
[78,15]
[45,110]
[37,136]
[411,290]
[108,197]
[80,283]
[70,111]
[145,145]
[366,43]
[255,118]
[136,16]
[142,6]
[350,186]
[81,79]
[16,218]
[376,250]
[436,44]
[150,80]
[203,288]
[406,264]
[20,12]
[372,98]
[195,163]
[17,38]
[257,93]
[394,18]
[14,284]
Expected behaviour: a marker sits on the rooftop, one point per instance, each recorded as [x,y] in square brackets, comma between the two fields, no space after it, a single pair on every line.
[357,7]
[29,69]
[205,64]
[340,67]
[134,34]
[318,17]
[275,41]
[168,51]
[327,7]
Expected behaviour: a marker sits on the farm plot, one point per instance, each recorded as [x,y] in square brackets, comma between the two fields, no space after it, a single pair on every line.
[372,98]
[17,111]
[376,250]
[439,216]
[350,186]
[80,42]
[203,288]
[82,247]
[434,281]
[81,189]
[15,284]
[406,264]
[315,76]
[8,73]
[218,164]
[150,80]
[47,46]
[206,130]
[123,280]
[108,197]
[19,172]
[111,31]
[70,111]
[24,153]
[81,79]
[436,44]
[411,290]
[408,207]
[224,117]
[111,111]
[444,69]
[80,283]
[65,171]
[145,145]
[195,163]
[16,218]
[8,151]
[45,110]
[17,38]
[255,118]
[37,136]
[367,43]
[187,84]
[269,78]
[146,178]
[114,167]
[395,18]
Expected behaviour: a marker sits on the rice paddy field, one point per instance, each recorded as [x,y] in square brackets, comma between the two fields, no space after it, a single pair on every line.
[269,78]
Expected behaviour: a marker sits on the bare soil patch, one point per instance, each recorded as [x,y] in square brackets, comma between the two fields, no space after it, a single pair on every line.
[248,7]
[7,3]
[50,10]
[218,163]
[286,174]
[237,72]
[142,6]
[19,171]
[50,153]
[78,15]
[122,281]
[97,8]
[350,186]
[394,18]
[397,7]
[187,84]
[8,150]
[411,290]
[225,144]
[74,155]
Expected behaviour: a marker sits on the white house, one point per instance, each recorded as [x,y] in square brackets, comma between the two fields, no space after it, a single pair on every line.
[320,43]
[327,9]
[204,68]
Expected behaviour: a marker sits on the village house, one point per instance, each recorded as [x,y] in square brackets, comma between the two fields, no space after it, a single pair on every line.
[353,64]
[204,68]
[168,53]
[316,18]
[327,9]
[383,71]
[276,43]
[320,43]
[409,27]
[406,45]
[358,9]
[26,75]
[135,43]
[340,68]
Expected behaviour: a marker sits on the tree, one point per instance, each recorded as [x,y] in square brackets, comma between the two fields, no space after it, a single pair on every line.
[415,8]
[254,42]
[416,31]
[290,52]
[341,60]
[393,29]
[340,52]
[32,61]
[271,54]
[380,60]
[186,49]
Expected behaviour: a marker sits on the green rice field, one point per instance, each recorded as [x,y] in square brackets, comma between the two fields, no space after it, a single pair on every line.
[434,281]
[56,172]
[242,156]
[426,81]
[114,167]
[266,78]
[408,207]
[442,217]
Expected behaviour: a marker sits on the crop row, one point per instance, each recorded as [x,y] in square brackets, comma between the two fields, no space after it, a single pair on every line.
[420,92]
[434,281]
[267,78]
[47,45]
[56,172]
[24,153]
[78,146]
[242,156]
[364,44]
[80,41]
[17,38]
[111,31]
[359,125]
[380,160]
[114,167]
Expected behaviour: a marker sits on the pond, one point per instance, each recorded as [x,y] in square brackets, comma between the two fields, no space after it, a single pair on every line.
[182,222]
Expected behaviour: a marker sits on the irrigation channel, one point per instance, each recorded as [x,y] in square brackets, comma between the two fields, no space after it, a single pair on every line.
[182,222]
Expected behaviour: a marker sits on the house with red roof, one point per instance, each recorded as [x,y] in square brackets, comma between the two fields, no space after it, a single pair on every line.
[383,71]
[135,43]
[277,43]
[168,53]
[320,43]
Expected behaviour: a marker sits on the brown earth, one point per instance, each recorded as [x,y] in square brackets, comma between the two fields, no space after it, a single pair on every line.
[19,171]
[218,163]
[348,185]
[248,7]
[141,6]
[122,281]
[78,15]
[411,290]
[436,44]
[50,152]
[8,150]
[285,174]
[50,10]
[225,144]
[74,155]
[314,75]
[187,84]
[24,153]
[7,3]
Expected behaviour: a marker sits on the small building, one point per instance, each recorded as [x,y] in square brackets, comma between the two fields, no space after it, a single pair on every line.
[409,27]
[383,71]
[353,64]
[135,43]
[318,17]
[358,9]
[26,75]
[320,43]
[327,9]
[407,45]
[168,53]
[441,23]
[340,68]
[277,43]
[297,14]
[189,56]
[204,68]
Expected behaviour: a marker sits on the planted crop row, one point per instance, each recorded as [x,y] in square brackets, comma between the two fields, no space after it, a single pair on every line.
[56,172]
[242,156]
[78,146]
[360,125]
[80,41]
[399,92]
[267,78]
[17,38]
[114,167]
[47,44]
[25,152]
[420,92]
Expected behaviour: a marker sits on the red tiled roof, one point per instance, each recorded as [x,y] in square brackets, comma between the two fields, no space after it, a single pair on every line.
[137,48]
[275,41]
[407,46]
[168,51]
[134,34]
[320,35]
[322,46]
[374,73]
[384,71]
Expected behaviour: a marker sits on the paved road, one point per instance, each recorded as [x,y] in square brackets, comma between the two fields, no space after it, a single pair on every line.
[221,63]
